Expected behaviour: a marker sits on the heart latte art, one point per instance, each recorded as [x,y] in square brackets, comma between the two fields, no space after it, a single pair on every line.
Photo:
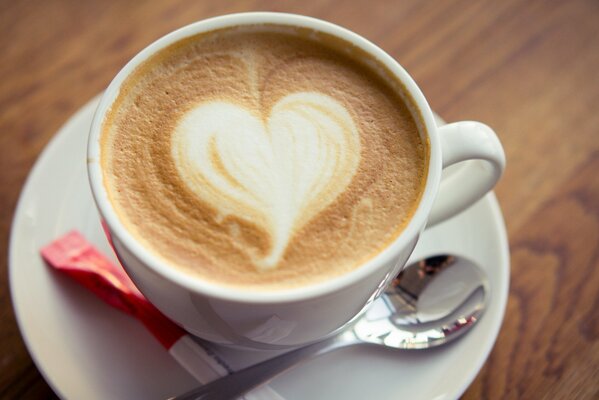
[277,172]
[262,157]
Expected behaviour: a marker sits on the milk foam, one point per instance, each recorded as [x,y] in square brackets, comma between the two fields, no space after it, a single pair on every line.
[276,171]
[262,157]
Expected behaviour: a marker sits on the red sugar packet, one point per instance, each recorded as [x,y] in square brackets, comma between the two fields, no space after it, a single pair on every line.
[76,257]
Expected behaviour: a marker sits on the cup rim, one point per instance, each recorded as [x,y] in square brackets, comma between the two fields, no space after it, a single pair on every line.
[234,293]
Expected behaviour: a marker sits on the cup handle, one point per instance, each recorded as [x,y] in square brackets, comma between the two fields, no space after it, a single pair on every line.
[478,144]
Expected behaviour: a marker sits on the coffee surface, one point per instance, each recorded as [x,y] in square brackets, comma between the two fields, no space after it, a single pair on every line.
[262,157]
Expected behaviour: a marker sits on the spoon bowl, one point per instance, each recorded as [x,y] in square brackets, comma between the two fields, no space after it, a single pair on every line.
[430,303]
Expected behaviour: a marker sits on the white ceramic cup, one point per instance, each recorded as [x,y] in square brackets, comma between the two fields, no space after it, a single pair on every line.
[267,320]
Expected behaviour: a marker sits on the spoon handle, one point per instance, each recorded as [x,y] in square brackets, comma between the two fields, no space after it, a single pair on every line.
[234,385]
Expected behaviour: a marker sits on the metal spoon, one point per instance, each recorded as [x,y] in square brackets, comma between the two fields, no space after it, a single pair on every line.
[421,308]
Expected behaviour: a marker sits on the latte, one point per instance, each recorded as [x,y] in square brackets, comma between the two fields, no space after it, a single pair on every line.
[263,157]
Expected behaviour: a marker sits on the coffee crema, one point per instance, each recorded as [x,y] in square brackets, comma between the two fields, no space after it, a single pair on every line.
[263,157]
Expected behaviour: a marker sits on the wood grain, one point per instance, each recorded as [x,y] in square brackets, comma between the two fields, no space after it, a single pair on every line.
[530,69]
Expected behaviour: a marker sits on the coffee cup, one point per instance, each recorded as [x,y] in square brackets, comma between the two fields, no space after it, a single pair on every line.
[263,176]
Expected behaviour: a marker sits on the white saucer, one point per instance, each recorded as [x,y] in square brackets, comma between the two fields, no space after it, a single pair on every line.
[87,350]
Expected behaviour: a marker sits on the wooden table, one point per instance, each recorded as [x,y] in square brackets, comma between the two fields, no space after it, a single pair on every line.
[530,69]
